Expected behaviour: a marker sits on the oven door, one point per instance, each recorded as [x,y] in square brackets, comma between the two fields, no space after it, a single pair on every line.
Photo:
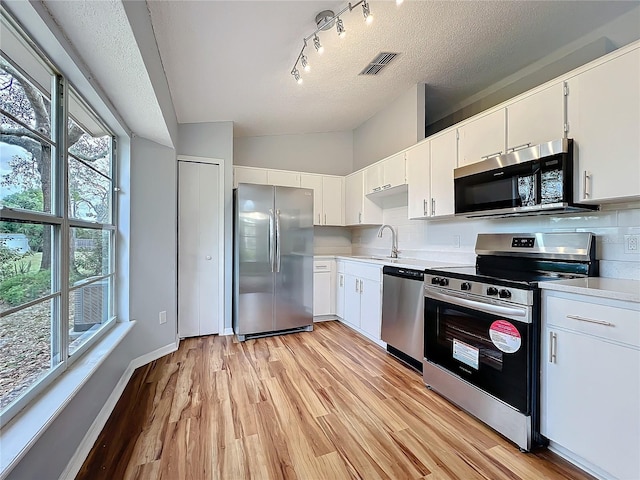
[486,344]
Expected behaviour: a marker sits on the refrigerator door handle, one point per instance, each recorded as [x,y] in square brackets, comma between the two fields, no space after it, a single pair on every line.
[277,241]
[272,240]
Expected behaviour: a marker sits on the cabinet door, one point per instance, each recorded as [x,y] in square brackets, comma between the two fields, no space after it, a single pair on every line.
[353,198]
[590,398]
[482,138]
[370,307]
[321,293]
[249,175]
[352,300]
[604,119]
[418,180]
[444,150]
[283,179]
[315,183]
[373,178]
[536,119]
[333,201]
[340,295]
[394,171]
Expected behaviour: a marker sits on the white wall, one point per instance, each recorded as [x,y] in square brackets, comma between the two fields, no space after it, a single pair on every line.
[392,129]
[439,239]
[215,140]
[328,153]
[152,269]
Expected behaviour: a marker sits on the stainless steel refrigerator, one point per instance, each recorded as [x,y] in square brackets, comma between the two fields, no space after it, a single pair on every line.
[273,260]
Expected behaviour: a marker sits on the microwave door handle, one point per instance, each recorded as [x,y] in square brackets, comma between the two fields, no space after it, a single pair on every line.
[485,307]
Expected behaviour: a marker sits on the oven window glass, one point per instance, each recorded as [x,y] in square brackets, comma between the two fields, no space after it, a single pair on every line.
[489,351]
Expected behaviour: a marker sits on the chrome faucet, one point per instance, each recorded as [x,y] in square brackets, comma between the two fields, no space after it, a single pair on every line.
[394,241]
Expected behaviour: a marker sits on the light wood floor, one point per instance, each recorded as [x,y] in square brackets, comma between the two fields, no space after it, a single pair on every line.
[327,404]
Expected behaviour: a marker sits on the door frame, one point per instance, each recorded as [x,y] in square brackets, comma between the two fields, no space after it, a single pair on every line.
[222,239]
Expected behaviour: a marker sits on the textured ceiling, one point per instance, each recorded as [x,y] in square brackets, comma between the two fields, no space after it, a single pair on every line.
[230,60]
[102,36]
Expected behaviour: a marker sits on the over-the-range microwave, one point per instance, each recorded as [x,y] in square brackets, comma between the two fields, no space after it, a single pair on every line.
[530,181]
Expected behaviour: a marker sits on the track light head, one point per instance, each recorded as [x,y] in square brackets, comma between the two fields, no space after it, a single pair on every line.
[317,44]
[340,28]
[296,75]
[304,62]
[366,12]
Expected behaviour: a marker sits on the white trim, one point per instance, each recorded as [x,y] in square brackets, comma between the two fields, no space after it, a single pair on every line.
[221,244]
[83,450]
[228,331]
[24,430]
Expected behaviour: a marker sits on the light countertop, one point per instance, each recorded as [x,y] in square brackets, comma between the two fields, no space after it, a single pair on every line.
[613,288]
[414,263]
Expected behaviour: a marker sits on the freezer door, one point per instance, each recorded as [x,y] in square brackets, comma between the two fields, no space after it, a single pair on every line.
[254,251]
[294,257]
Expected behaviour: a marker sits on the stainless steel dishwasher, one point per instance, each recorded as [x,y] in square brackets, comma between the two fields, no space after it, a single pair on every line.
[403,314]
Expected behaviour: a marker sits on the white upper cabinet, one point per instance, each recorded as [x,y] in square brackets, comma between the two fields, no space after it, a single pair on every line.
[359,210]
[419,180]
[444,153]
[386,174]
[603,113]
[314,182]
[333,200]
[283,179]
[249,175]
[536,118]
[482,138]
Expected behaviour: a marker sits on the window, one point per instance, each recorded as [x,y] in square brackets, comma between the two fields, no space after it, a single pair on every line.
[57,227]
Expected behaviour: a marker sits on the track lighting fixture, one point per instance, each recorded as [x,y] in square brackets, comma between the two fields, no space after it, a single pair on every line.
[340,28]
[326,20]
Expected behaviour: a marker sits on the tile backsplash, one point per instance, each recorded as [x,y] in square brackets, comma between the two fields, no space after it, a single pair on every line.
[454,239]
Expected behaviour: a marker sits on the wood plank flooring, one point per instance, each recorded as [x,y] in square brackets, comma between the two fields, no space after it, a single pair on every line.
[327,404]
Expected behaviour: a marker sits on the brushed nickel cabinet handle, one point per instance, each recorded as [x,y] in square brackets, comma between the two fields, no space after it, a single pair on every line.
[591,320]
[424,207]
[433,207]
[585,184]
[553,345]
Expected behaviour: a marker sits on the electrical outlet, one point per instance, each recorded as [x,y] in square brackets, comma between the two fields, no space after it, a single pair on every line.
[631,243]
[163,317]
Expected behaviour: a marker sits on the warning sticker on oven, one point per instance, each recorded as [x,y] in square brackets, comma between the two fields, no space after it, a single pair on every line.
[505,336]
[466,353]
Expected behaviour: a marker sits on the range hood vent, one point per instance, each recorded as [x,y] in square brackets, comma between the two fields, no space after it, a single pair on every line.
[378,63]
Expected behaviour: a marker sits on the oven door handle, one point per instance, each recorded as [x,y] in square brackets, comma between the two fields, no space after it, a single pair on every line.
[484,307]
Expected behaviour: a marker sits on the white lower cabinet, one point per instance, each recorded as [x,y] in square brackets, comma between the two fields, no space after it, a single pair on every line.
[323,288]
[590,391]
[362,292]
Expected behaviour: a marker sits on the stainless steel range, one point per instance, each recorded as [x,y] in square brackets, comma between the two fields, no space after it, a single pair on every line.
[482,326]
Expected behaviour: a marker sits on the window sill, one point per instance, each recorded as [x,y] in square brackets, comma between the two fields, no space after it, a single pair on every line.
[22,432]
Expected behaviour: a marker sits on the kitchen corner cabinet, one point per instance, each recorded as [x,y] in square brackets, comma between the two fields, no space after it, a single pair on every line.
[388,173]
[430,166]
[359,210]
[603,113]
[536,118]
[363,298]
[482,137]
[328,198]
[590,389]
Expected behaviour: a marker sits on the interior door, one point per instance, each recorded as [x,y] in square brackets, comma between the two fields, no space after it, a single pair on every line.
[198,241]
[294,259]
[254,252]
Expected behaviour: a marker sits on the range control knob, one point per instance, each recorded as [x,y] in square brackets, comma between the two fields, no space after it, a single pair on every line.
[505,293]
[435,281]
[465,286]
[444,282]
[492,291]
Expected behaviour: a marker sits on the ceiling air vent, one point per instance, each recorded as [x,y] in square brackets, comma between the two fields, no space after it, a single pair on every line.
[377,64]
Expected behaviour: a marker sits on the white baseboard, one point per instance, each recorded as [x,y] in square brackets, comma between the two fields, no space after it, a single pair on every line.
[83,450]
[228,331]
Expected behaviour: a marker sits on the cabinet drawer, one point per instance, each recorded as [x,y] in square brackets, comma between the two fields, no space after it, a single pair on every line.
[371,272]
[613,323]
[322,265]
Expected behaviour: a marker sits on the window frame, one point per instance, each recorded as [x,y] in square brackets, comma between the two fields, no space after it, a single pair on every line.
[61,223]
